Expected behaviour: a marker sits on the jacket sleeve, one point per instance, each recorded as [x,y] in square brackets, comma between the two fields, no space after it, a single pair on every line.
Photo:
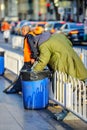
[43,60]
[33,48]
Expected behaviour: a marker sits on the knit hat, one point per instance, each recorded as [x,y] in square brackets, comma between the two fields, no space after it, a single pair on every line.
[38,30]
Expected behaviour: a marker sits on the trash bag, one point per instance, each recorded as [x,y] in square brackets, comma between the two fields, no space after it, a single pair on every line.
[31,75]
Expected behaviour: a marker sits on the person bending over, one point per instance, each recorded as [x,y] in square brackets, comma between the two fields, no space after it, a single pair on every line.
[56,51]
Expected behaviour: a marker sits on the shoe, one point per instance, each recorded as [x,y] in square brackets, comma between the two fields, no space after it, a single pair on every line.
[60,116]
[11,90]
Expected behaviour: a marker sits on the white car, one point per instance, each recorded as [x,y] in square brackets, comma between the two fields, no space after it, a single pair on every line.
[53,25]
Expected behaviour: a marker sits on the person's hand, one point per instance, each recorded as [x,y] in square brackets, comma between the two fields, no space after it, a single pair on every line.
[32,61]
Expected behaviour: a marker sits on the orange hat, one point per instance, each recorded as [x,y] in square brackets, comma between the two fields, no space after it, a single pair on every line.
[52,31]
[38,30]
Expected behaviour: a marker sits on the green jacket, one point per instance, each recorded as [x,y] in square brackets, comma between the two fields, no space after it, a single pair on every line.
[57,51]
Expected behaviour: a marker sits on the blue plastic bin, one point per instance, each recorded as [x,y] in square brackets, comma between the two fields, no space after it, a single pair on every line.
[1,63]
[35,90]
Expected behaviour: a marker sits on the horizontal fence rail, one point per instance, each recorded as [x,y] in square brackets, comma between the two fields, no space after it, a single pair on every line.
[70,93]
[12,61]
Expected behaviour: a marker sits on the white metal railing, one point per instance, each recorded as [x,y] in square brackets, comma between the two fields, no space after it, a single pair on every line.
[17,42]
[12,61]
[70,93]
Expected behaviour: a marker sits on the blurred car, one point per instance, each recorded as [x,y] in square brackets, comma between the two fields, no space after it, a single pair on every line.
[41,23]
[34,24]
[74,31]
[53,26]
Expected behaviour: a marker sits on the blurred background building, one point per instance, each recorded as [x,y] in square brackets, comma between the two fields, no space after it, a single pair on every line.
[74,10]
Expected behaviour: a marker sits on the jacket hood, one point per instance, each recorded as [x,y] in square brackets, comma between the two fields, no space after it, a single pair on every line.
[42,38]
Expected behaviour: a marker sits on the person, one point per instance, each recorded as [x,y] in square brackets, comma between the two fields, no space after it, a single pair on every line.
[56,52]
[5,28]
[29,56]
